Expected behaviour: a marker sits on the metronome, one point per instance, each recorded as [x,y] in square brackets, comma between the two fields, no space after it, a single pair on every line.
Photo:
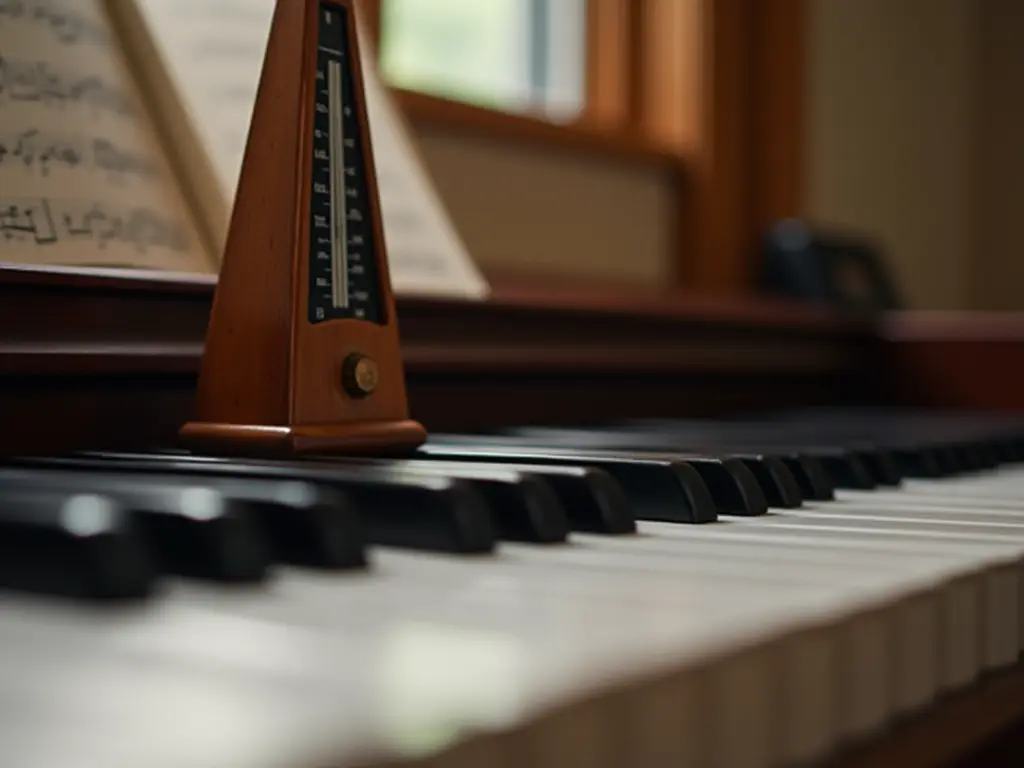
[302,349]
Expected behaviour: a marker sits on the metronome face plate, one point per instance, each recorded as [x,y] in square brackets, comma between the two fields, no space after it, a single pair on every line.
[342,253]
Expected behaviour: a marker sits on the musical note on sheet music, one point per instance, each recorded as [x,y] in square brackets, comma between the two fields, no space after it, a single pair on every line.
[46,222]
[39,151]
[62,18]
[83,177]
[38,82]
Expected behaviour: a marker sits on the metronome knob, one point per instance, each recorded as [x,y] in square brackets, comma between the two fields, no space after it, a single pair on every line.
[359,375]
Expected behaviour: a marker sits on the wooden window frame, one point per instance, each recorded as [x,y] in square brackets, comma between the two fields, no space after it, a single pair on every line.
[712,89]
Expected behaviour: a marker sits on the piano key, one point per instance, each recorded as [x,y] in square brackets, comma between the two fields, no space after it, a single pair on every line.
[608,583]
[524,506]
[777,484]
[657,489]
[732,486]
[590,498]
[71,544]
[398,508]
[728,599]
[192,529]
[1006,648]
[303,523]
[852,463]
[919,461]
[810,475]
[813,656]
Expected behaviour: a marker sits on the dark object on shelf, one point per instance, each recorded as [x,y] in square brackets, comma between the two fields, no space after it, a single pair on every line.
[848,273]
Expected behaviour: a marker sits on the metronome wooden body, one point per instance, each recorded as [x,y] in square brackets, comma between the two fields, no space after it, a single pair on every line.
[302,349]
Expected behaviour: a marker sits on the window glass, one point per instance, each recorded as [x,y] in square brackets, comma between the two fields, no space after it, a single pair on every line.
[512,55]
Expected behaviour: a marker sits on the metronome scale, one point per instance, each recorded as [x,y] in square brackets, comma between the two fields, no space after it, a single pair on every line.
[302,351]
[342,270]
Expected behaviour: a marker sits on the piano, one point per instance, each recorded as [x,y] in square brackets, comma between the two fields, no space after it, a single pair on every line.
[676,533]
[642,531]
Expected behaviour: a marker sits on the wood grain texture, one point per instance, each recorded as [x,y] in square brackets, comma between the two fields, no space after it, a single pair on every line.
[270,381]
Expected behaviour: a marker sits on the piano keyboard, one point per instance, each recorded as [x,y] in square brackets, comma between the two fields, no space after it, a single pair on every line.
[751,593]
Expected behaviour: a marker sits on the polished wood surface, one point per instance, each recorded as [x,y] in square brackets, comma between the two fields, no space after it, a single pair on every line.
[270,382]
[955,359]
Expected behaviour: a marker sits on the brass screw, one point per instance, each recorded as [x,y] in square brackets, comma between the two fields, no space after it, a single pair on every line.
[360,375]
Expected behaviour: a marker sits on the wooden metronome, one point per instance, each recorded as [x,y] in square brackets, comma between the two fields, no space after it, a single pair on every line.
[302,349]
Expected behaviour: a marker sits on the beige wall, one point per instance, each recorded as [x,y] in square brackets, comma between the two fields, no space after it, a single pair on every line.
[523,208]
[890,127]
[916,127]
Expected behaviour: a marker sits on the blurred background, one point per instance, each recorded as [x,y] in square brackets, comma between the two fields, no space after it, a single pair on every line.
[653,142]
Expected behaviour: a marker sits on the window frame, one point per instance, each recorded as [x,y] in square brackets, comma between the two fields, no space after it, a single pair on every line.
[711,89]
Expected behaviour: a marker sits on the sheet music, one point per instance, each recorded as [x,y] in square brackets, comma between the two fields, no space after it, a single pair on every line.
[214,50]
[82,180]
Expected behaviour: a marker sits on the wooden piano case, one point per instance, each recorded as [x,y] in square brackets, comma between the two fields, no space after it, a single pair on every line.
[105,359]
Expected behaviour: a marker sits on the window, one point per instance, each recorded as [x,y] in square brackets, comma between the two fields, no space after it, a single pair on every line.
[712,88]
[509,55]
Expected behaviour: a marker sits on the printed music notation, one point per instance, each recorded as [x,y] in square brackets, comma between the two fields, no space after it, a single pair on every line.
[39,82]
[46,222]
[36,150]
[61,17]
[214,52]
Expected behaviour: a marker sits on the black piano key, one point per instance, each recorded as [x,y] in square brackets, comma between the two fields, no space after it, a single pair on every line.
[589,499]
[398,509]
[732,484]
[669,491]
[76,545]
[781,489]
[760,449]
[846,469]
[918,461]
[192,529]
[524,506]
[305,523]
[1004,449]
[302,523]
[986,454]
[810,476]
[593,501]
[881,464]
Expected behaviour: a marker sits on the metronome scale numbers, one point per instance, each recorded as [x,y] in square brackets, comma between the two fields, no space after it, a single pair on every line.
[343,268]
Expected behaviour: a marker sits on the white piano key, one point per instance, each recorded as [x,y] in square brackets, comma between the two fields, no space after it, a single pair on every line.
[1004,602]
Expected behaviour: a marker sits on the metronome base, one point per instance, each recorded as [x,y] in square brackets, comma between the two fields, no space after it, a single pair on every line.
[372,438]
